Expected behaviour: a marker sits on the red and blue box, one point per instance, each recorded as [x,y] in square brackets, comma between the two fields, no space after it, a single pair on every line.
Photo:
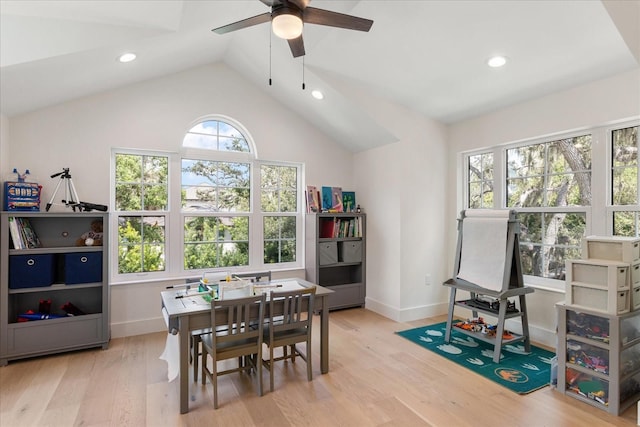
[21,196]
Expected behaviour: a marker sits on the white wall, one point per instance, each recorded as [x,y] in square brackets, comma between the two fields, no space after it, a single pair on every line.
[4,148]
[589,105]
[402,188]
[155,114]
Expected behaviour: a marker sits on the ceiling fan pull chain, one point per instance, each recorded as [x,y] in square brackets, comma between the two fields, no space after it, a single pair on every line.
[269,57]
[303,73]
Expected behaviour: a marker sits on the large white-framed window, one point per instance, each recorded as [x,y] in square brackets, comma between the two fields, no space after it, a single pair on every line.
[563,187]
[623,216]
[547,182]
[223,208]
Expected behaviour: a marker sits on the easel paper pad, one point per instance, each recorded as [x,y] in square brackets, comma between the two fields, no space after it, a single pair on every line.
[483,253]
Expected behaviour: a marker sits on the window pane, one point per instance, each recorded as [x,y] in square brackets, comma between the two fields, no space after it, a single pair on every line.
[547,240]
[625,147]
[525,161]
[625,186]
[141,182]
[280,239]
[141,244]
[279,188]
[215,186]
[626,223]
[211,242]
[525,192]
[215,135]
[480,181]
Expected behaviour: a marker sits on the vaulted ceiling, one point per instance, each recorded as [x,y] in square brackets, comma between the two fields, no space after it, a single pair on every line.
[428,56]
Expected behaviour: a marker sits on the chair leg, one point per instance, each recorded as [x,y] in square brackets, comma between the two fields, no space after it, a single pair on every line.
[271,369]
[195,346]
[308,360]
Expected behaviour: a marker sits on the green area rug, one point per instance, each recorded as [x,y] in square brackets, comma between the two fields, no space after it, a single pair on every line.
[518,371]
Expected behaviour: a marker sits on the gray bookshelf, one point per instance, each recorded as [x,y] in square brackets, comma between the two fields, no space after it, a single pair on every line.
[59,271]
[336,259]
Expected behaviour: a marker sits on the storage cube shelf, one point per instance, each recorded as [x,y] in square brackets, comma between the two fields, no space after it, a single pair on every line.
[335,256]
[599,357]
[603,285]
[598,272]
[58,271]
[615,248]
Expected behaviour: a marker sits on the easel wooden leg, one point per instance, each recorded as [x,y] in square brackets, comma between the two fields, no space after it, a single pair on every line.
[452,305]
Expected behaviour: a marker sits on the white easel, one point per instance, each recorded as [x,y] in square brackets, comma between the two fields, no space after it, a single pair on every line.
[510,283]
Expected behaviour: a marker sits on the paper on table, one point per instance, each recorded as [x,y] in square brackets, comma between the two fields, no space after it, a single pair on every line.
[171,353]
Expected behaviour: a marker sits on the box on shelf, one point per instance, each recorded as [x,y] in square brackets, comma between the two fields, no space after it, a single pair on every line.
[598,299]
[350,251]
[82,267]
[21,196]
[327,253]
[603,273]
[615,248]
[31,271]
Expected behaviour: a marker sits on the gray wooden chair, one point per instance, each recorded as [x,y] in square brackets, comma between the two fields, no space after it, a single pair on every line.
[195,336]
[233,338]
[290,327]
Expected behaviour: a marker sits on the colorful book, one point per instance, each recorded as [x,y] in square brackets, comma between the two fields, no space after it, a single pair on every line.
[31,239]
[349,201]
[313,199]
[332,199]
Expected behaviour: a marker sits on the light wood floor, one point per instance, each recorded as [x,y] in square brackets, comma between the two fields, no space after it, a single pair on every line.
[376,378]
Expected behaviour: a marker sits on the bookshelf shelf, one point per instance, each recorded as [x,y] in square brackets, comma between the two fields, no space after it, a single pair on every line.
[336,257]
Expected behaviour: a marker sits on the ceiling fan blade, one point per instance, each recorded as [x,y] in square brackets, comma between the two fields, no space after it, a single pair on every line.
[249,22]
[312,15]
[297,46]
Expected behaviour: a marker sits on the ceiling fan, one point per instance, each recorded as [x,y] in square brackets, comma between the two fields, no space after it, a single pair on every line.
[287,18]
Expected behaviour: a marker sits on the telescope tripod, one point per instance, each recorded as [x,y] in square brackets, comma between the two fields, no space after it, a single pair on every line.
[71,198]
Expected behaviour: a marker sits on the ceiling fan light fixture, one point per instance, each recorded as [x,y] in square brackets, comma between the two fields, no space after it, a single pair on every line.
[286,23]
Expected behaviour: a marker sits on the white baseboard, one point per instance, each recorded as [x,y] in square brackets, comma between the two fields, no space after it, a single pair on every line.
[138,327]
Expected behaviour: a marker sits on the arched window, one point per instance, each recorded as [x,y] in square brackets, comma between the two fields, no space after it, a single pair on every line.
[234,212]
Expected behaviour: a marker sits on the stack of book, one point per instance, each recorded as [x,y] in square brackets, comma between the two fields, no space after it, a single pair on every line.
[22,234]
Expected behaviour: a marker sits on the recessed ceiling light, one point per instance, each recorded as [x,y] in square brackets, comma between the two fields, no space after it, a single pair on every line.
[127,57]
[317,94]
[497,61]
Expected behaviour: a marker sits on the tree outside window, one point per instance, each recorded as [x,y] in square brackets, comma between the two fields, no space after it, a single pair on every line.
[543,180]
[480,186]
[624,181]
[141,198]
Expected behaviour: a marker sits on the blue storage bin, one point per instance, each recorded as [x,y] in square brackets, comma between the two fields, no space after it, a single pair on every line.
[82,267]
[31,271]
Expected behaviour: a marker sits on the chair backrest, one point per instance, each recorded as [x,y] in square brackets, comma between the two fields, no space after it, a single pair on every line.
[297,309]
[260,276]
[237,319]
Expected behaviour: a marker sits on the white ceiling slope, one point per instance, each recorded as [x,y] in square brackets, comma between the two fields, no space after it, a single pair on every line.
[427,56]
